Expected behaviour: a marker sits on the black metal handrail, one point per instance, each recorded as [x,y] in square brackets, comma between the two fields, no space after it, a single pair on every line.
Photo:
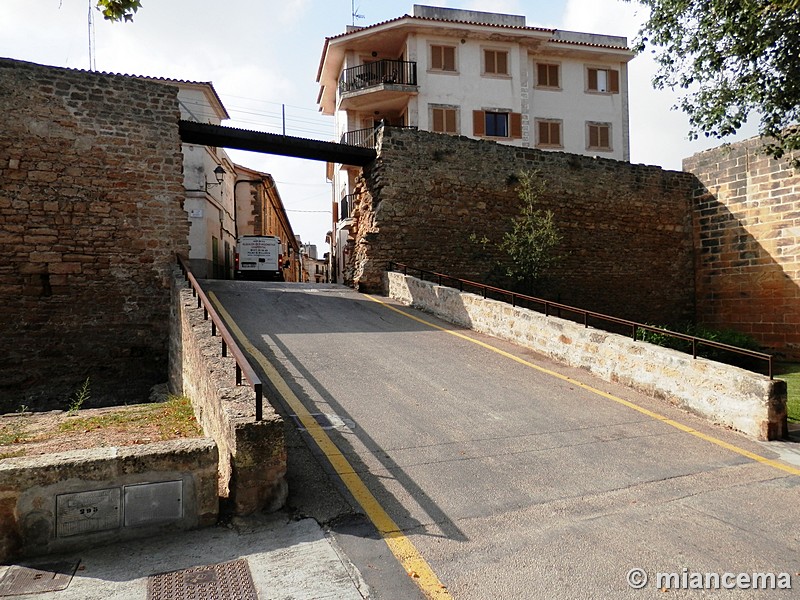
[379,72]
[228,341]
[550,307]
[365,138]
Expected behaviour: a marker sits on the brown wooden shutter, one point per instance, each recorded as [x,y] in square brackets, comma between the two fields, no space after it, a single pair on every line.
[543,133]
[436,57]
[613,81]
[552,78]
[604,134]
[438,125]
[541,74]
[478,123]
[594,140]
[449,58]
[449,120]
[555,134]
[593,79]
[502,63]
[516,124]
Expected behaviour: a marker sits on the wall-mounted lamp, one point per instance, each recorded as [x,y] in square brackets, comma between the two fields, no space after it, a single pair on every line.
[219,173]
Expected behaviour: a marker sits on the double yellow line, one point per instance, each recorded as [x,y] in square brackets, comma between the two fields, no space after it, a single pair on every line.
[402,548]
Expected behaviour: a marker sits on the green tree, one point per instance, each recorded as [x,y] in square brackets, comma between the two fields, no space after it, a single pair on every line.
[732,58]
[528,250]
[118,10]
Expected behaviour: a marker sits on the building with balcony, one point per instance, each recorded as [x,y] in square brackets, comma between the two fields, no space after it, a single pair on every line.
[476,74]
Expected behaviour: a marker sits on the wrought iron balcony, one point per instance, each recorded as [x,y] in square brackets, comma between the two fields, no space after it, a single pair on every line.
[346,206]
[378,73]
[365,138]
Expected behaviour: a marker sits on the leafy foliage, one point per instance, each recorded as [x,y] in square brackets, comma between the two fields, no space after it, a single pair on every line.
[732,58]
[530,244]
[118,10]
[723,336]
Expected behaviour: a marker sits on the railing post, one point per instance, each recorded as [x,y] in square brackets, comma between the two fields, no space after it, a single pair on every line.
[224,349]
[694,347]
[238,374]
[769,360]
[259,403]
[546,309]
[585,320]
[633,327]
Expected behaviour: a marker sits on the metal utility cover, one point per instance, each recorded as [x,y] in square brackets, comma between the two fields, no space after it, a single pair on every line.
[49,577]
[223,581]
[149,503]
[86,512]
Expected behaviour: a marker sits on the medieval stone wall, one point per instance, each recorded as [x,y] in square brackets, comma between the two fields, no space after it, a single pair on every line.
[90,219]
[747,235]
[627,228]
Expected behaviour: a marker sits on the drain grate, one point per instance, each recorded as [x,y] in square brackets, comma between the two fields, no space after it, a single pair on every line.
[37,579]
[223,581]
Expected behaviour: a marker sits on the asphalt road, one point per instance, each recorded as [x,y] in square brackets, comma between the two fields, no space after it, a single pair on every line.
[510,482]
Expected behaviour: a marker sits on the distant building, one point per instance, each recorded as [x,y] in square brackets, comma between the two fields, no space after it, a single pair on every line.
[477,74]
[260,211]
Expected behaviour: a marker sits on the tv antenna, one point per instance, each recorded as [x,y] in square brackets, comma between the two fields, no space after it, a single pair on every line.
[355,11]
[92,44]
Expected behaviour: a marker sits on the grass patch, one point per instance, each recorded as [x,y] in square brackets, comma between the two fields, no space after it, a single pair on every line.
[790,372]
[13,433]
[173,418]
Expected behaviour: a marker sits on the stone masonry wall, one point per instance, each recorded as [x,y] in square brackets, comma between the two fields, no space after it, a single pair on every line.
[627,228]
[747,231]
[91,217]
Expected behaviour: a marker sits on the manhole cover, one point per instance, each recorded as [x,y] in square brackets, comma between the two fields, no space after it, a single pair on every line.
[223,581]
[37,579]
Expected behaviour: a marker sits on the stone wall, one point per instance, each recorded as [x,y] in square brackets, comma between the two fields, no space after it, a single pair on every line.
[726,395]
[91,202]
[74,500]
[252,454]
[747,232]
[627,228]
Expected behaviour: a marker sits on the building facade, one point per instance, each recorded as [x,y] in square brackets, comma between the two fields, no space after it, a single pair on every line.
[259,211]
[476,74]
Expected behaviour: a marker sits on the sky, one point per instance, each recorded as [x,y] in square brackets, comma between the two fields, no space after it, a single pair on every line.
[262,57]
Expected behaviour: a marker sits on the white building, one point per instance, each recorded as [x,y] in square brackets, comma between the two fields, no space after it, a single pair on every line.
[208,177]
[476,74]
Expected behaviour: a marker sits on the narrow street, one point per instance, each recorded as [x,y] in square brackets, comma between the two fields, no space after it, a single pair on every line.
[510,476]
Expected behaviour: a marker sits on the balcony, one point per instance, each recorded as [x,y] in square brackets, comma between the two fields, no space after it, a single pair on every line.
[366,138]
[383,83]
[346,206]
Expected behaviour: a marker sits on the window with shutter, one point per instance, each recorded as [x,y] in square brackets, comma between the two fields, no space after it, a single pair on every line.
[547,75]
[443,58]
[495,62]
[599,136]
[602,80]
[444,120]
[549,133]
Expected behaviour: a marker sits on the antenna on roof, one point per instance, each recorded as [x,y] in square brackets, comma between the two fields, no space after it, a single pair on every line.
[355,11]
[92,59]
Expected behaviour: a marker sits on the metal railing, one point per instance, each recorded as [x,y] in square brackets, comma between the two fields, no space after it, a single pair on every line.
[228,342]
[346,206]
[365,138]
[556,308]
[379,72]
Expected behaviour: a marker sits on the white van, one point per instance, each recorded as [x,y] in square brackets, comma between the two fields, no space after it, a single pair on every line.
[258,257]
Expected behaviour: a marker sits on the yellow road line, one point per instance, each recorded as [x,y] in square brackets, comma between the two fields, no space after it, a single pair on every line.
[685,428]
[398,543]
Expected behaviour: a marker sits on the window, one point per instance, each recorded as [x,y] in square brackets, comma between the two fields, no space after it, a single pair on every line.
[602,80]
[599,135]
[443,58]
[495,62]
[548,133]
[547,75]
[444,119]
[496,123]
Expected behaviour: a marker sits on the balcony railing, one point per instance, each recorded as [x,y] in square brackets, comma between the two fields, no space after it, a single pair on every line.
[346,206]
[364,138]
[397,72]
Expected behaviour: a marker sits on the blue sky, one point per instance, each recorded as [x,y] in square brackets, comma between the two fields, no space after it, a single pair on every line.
[263,54]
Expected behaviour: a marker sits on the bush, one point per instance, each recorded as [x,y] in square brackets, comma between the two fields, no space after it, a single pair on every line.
[729,337]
